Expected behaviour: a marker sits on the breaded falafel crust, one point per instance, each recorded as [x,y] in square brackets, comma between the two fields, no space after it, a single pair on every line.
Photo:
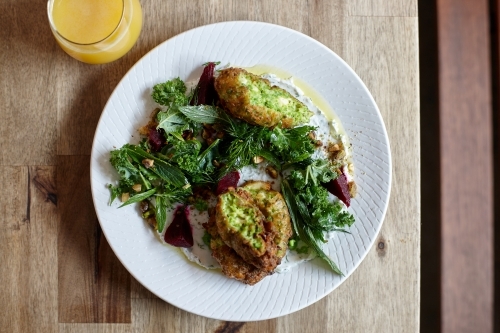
[240,224]
[251,98]
[233,266]
[272,204]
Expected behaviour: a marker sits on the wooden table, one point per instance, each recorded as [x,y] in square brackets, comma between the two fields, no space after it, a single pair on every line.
[58,273]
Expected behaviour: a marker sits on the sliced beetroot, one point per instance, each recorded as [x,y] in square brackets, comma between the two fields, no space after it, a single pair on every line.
[179,232]
[205,89]
[229,180]
[156,139]
[339,188]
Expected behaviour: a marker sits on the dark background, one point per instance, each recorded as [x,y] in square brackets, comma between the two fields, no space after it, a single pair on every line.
[459,96]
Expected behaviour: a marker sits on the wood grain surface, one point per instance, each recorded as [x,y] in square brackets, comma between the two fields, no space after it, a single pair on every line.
[58,272]
[465,138]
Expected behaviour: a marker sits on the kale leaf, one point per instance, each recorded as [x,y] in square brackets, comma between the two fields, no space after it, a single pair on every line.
[172,92]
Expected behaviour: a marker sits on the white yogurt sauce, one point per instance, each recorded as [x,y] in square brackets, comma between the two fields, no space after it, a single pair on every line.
[329,130]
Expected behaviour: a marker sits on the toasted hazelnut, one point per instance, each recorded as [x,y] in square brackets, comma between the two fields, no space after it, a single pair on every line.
[332,148]
[312,135]
[144,206]
[187,135]
[271,172]
[205,134]
[318,143]
[152,222]
[258,159]
[148,163]
[155,113]
[144,130]
[353,189]
[137,187]
[125,197]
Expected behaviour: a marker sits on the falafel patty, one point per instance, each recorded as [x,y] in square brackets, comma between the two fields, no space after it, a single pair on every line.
[233,266]
[273,206]
[251,98]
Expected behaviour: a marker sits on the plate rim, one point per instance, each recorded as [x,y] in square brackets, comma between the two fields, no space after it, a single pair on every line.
[359,81]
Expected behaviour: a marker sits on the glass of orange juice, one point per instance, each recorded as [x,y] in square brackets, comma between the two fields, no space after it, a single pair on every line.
[95,31]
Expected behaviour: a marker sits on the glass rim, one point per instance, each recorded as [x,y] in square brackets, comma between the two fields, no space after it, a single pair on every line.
[53,26]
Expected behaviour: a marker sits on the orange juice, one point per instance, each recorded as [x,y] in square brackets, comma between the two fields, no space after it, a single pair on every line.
[95,31]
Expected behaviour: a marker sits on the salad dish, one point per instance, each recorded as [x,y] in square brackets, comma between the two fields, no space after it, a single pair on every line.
[253,176]
[198,142]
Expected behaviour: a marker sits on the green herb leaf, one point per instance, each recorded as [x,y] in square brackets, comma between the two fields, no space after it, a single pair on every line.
[173,122]
[293,210]
[200,113]
[320,171]
[311,241]
[200,205]
[305,233]
[292,145]
[206,238]
[161,212]
[170,93]
[164,170]
[174,194]
[139,197]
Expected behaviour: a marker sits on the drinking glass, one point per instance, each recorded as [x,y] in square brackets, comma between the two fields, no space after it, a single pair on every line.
[95,31]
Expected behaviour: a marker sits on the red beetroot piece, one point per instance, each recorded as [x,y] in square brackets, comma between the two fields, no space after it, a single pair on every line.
[179,232]
[339,188]
[229,180]
[156,139]
[205,89]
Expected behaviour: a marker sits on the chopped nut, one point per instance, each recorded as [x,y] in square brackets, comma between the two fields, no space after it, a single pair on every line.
[312,135]
[144,206]
[155,113]
[271,172]
[205,134]
[216,163]
[353,189]
[144,130]
[125,197]
[258,159]
[318,143]
[152,222]
[350,167]
[149,213]
[332,148]
[187,135]
[137,187]
[148,163]
[339,154]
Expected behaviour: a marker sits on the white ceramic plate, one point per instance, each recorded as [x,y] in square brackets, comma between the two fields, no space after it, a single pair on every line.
[163,269]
